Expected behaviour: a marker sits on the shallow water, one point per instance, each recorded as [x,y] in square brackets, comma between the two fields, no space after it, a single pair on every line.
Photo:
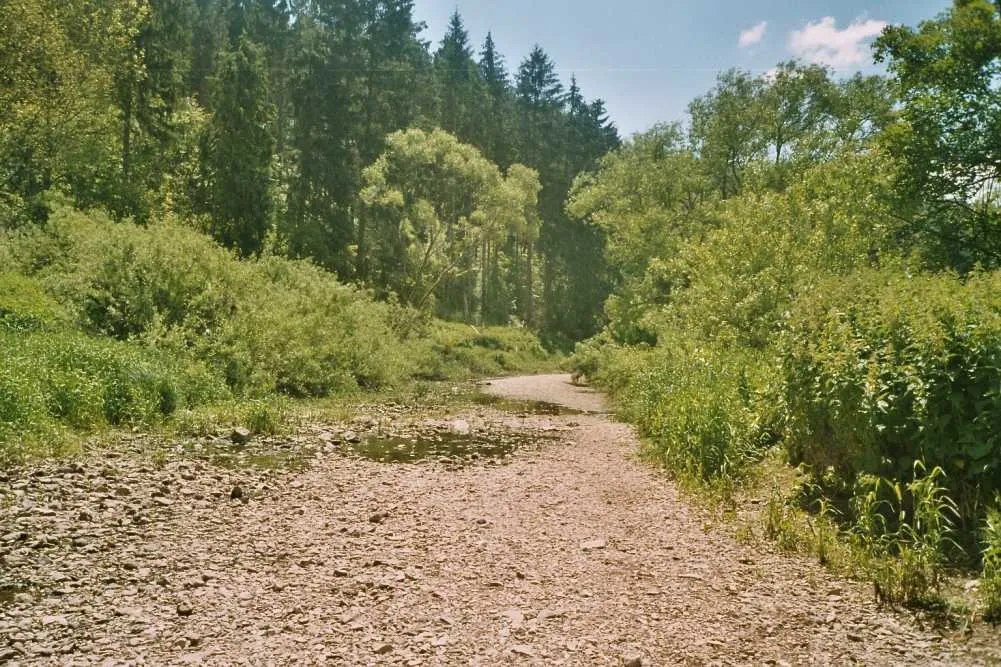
[10,591]
[518,406]
[445,447]
[265,456]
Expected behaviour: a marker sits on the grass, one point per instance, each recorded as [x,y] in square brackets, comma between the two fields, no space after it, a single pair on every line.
[105,325]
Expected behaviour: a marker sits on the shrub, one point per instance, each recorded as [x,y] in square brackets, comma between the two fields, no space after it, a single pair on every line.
[24,305]
[49,380]
[454,351]
[265,325]
[884,369]
[990,582]
[699,406]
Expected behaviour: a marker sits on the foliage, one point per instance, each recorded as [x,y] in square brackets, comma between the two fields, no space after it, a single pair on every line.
[456,351]
[264,325]
[884,369]
[239,149]
[435,203]
[24,306]
[56,377]
[228,116]
[947,72]
[990,582]
[905,531]
[107,323]
[664,392]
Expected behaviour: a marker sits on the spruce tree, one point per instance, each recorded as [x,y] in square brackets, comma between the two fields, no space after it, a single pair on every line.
[458,80]
[239,148]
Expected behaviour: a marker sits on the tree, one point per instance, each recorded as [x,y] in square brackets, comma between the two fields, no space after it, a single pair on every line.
[458,80]
[149,87]
[949,137]
[726,129]
[58,128]
[647,198]
[239,150]
[794,114]
[496,123]
[433,203]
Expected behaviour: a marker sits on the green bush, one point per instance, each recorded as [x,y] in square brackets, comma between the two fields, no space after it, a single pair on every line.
[49,380]
[699,406]
[990,582]
[267,325]
[884,369]
[24,305]
[454,351]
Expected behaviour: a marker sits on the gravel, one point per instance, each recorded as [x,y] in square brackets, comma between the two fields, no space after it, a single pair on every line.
[572,552]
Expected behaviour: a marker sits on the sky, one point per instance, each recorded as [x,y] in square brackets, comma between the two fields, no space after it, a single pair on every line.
[647,58]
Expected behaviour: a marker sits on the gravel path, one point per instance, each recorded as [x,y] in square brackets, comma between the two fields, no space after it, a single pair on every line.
[570,552]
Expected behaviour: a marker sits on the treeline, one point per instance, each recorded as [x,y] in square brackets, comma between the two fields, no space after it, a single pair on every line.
[811,267]
[255,120]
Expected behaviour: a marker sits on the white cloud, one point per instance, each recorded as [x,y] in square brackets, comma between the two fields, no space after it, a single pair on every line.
[822,43]
[752,35]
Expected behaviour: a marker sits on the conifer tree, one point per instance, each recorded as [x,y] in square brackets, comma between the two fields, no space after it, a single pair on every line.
[458,80]
[239,149]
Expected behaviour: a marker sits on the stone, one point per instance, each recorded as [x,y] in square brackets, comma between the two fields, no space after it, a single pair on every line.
[55,620]
[184,609]
[632,660]
[236,493]
[240,435]
[592,545]
[383,649]
[459,427]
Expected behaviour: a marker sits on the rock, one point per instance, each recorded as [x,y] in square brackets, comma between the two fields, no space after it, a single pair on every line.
[383,649]
[547,614]
[632,660]
[55,620]
[378,517]
[240,435]
[184,609]
[236,493]
[459,427]
[522,650]
[591,545]
[516,618]
[351,436]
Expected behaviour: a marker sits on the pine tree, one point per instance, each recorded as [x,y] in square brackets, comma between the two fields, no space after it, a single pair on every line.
[458,80]
[149,86]
[496,123]
[239,149]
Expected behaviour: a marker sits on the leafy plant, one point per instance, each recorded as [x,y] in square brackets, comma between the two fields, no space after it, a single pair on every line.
[990,581]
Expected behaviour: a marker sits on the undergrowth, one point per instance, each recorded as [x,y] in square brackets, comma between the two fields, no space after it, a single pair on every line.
[107,324]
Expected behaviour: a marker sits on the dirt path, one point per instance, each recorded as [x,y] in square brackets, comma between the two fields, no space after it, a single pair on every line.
[569,552]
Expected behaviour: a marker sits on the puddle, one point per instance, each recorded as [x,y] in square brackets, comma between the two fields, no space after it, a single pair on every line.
[9,592]
[444,447]
[520,406]
[236,457]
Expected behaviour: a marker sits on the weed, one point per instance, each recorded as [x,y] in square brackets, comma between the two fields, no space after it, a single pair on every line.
[990,583]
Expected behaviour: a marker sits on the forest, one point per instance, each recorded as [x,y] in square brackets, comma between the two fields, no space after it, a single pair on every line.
[212,200]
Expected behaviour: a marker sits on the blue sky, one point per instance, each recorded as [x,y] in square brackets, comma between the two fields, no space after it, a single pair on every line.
[649,58]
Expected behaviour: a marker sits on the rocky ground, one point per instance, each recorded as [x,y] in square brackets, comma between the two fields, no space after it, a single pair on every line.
[525,538]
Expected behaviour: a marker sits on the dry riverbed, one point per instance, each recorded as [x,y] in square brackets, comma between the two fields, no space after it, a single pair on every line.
[514,533]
